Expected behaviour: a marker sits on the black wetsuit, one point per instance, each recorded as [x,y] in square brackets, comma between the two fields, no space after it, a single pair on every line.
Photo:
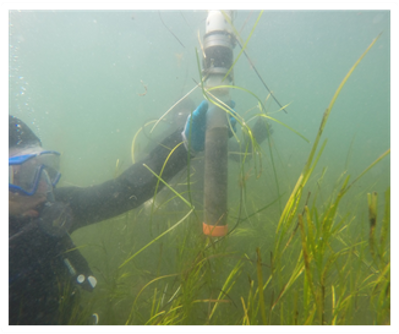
[44,277]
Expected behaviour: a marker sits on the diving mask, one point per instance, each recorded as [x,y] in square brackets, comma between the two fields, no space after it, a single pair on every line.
[29,169]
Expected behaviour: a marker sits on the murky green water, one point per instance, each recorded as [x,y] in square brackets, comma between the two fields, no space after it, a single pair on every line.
[78,78]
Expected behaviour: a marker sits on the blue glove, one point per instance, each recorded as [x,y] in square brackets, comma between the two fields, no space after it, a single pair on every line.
[197,127]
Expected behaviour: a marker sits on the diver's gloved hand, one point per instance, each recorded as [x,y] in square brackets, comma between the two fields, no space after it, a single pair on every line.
[194,130]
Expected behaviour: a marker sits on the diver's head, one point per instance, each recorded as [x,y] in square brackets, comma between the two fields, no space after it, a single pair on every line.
[20,135]
[33,172]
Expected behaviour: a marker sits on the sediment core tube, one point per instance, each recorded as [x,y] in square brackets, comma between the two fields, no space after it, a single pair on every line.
[215,173]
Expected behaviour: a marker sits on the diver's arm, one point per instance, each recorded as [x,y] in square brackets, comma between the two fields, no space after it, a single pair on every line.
[132,188]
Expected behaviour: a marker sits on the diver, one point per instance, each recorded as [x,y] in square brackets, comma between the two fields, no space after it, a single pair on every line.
[46,270]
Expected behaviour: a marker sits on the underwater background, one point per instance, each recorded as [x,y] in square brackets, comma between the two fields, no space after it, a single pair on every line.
[87,82]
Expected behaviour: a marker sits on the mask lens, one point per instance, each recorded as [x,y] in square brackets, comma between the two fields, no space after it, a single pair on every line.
[26,173]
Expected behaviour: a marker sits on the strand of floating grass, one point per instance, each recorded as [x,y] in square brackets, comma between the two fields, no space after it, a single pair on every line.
[199,41]
[261,106]
[245,45]
[369,167]
[260,210]
[177,194]
[189,167]
[246,21]
[239,41]
[167,112]
[170,30]
[285,125]
[236,33]
[261,79]
[160,179]
[200,75]
[181,13]
[135,138]
[156,239]
[169,187]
